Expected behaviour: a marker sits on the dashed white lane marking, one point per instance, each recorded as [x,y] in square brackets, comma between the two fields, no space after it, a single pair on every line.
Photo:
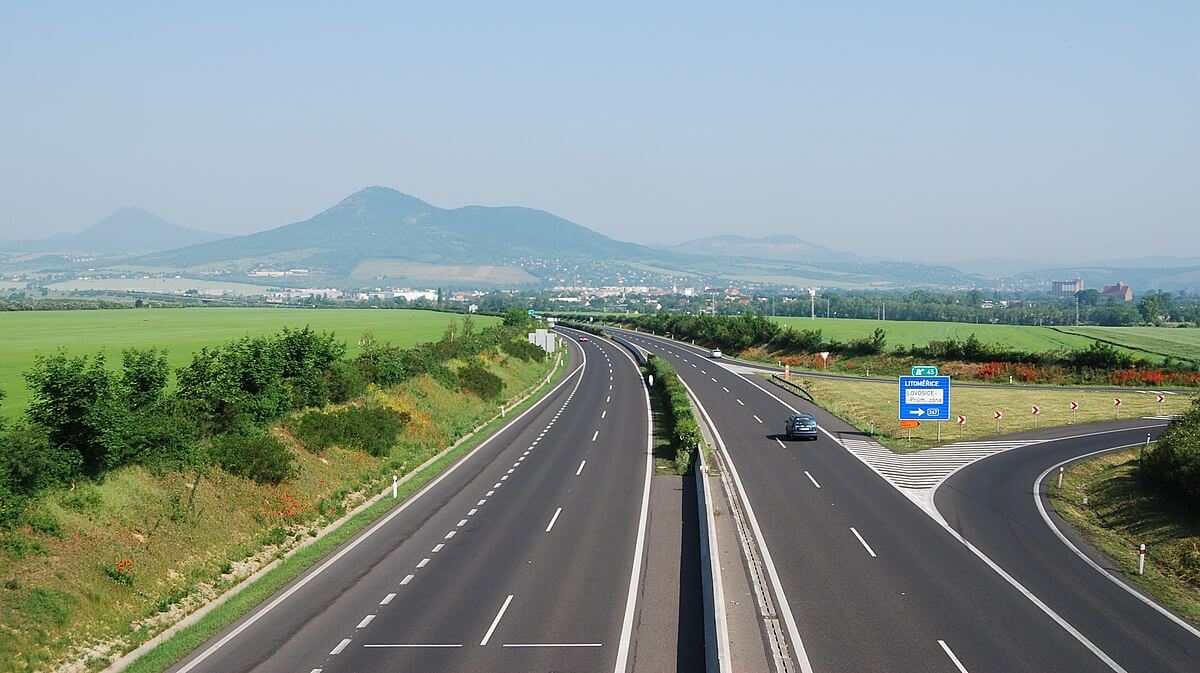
[504,478]
[580,470]
[366,620]
[496,485]
[553,519]
[450,534]
[340,646]
[496,622]
[489,493]
[741,402]
[481,501]
[610,386]
[462,522]
[472,511]
[406,580]
[713,380]
[950,653]
[510,470]
[781,444]
[864,542]
[757,418]
[415,645]
[553,645]
[724,388]
[438,547]
[387,599]
[812,479]
[606,399]
[595,435]
[693,365]
[316,670]
[423,562]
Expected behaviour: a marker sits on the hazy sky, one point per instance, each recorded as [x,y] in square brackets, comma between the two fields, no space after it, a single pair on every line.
[914,130]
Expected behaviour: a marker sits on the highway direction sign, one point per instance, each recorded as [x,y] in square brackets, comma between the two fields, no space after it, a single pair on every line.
[924,370]
[925,398]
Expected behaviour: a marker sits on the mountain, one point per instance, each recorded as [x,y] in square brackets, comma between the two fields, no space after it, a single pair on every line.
[126,231]
[782,247]
[380,232]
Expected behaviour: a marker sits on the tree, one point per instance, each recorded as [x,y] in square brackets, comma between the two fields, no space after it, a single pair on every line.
[1088,297]
[516,317]
[74,400]
[144,374]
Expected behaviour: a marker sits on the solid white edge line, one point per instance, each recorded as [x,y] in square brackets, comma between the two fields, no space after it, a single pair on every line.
[709,545]
[553,519]
[864,542]
[257,615]
[1038,499]
[937,517]
[950,653]
[622,662]
[495,622]
[772,574]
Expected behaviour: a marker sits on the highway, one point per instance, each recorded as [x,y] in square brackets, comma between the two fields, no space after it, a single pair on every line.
[865,575]
[526,555]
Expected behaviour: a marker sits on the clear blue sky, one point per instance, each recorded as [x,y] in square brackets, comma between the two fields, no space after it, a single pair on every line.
[1036,129]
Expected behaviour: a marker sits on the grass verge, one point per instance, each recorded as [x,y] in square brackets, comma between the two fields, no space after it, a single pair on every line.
[871,407]
[189,638]
[1122,512]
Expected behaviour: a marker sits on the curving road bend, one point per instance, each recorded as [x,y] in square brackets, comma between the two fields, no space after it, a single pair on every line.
[525,556]
[870,579]
[994,503]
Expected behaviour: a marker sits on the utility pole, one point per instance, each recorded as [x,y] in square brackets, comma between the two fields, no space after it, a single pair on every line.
[826,307]
[1077,310]
[812,300]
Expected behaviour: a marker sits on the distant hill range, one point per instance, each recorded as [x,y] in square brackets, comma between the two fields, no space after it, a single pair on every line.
[783,247]
[378,228]
[381,236]
[127,231]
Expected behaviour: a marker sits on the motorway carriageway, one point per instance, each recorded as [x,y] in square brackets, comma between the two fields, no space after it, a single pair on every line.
[867,580]
[525,556]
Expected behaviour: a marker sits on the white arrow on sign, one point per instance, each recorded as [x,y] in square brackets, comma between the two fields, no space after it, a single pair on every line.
[917,412]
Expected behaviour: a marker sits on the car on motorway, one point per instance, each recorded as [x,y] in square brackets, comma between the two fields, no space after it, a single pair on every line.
[583,337]
[801,425]
[714,353]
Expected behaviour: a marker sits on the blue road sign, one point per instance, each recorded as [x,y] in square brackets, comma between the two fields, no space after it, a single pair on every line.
[924,398]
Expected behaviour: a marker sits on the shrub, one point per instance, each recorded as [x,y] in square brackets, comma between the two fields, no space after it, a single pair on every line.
[250,452]
[42,521]
[1173,464]
[475,378]
[345,382]
[523,350]
[446,377]
[370,429]
[31,462]
[681,422]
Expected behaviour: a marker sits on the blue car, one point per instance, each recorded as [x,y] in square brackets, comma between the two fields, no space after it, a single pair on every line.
[801,426]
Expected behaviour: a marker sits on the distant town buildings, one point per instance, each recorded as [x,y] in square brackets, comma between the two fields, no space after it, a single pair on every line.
[1119,291]
[1066,288]
[276,273]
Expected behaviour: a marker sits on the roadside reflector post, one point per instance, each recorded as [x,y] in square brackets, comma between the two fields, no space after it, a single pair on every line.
[501,411]
[1142,559]
[1060,475]
[650,380]
[394,483]
[1142,450]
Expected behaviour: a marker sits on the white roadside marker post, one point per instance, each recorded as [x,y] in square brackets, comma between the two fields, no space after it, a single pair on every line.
[1060,476]
[1142,559]
[394,484]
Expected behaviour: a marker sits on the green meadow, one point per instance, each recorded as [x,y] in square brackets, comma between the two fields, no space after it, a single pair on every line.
[182,331]
[909,332]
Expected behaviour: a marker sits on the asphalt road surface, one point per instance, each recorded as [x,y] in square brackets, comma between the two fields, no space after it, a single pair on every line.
[525,557]
[867,580]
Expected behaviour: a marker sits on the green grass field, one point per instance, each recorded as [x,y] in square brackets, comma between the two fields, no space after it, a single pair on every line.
[909,332]
[184,331]
[1179,343]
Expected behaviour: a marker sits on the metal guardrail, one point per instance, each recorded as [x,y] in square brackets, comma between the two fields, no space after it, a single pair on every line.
[795,387]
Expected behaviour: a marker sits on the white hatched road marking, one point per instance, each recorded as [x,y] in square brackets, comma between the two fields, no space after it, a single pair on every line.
[926,469]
